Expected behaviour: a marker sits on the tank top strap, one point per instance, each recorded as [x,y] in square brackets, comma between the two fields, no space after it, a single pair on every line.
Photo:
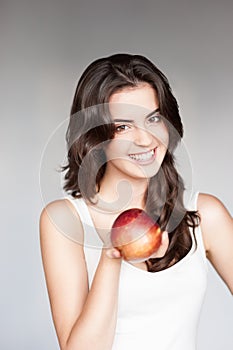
[192,205]
[91,238]
[191,202]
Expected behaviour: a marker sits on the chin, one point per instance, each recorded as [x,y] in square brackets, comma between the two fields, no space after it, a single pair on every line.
[144,174]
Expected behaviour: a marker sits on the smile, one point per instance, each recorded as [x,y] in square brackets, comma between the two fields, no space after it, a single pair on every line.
[143,157]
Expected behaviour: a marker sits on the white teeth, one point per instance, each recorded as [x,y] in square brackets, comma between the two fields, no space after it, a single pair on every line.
[142,156]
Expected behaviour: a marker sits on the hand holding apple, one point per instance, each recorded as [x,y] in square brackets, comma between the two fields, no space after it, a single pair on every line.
[136,235]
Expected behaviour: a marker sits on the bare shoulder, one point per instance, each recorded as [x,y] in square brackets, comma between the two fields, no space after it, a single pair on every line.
[214,214]
[214,217]
[59,206]
[208,203]
[60,216]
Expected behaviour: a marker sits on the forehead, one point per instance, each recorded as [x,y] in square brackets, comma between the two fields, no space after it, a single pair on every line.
[138,101]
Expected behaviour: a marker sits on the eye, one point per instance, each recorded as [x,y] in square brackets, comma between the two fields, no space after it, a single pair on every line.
[121,128]
[153,119]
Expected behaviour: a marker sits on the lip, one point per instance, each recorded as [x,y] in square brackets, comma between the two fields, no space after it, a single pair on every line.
[146,161]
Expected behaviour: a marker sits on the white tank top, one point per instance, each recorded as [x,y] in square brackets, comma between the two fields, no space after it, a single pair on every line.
[156,310]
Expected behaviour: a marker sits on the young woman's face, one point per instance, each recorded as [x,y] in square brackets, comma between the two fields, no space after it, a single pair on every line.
[141,137]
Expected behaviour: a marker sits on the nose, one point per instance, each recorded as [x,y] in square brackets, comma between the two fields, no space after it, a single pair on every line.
[142,137]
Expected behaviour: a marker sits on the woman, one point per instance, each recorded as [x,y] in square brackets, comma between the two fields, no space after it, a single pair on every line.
[124,128]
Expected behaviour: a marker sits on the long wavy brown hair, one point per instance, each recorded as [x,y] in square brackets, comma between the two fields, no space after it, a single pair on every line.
[91,125]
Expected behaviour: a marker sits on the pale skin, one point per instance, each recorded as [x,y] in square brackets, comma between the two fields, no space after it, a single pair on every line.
[85,317]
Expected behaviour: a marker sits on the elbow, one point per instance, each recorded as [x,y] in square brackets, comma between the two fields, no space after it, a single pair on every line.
[231,290]
[64,344]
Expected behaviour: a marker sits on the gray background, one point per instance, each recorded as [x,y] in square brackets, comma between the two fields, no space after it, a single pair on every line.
[45,45]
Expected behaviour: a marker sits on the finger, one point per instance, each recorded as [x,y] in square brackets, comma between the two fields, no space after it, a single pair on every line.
[165,239]
[163,246]
[113,253]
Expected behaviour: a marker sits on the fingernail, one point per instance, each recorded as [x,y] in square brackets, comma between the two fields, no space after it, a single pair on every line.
[116,254]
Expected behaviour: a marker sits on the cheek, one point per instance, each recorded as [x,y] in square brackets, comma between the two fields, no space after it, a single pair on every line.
[161,134]
[166,138]
[117,148]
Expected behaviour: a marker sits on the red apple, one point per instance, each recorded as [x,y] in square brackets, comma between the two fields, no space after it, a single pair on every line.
[135,235]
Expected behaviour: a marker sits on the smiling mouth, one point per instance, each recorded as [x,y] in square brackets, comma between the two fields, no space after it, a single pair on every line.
[144,156]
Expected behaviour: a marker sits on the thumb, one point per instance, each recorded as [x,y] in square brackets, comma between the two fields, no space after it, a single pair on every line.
[163,246]
[165,239]
[113,253]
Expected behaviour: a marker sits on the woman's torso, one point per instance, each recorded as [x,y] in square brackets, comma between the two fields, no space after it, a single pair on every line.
[156,310]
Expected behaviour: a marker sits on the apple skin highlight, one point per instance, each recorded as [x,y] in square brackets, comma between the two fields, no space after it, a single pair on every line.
[135,235]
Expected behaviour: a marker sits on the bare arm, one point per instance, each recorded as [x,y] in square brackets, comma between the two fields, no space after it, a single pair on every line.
[83,319]
[217,228]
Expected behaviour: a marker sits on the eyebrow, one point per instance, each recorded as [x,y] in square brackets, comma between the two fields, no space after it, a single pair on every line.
[131,120]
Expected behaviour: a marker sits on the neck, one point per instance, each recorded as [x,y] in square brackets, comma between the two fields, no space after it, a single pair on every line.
[121,193]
